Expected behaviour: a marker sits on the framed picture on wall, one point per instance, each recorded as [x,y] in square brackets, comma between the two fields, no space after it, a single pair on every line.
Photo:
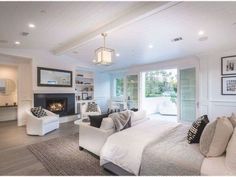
[228,65]
[84,96]
[228,85]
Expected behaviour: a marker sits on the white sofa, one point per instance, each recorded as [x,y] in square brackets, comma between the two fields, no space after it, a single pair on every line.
[43,125]
[93,139]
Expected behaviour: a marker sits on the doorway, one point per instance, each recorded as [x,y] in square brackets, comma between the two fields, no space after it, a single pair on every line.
[159,94]
[170,94]
[8,92]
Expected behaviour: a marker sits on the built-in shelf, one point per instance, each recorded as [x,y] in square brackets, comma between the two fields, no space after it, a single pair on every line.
[8,106]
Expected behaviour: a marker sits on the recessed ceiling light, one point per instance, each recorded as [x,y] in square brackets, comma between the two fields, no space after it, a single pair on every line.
[150,46]
[31,25]
[201,32]
[17,42]
[117,54]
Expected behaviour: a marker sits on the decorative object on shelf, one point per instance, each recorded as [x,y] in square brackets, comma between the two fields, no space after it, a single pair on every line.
[228,65]
[85,89]
[84,96]
[89,98]
[48,77]
[14,103]
[6,104]
[228,85]
[104,55]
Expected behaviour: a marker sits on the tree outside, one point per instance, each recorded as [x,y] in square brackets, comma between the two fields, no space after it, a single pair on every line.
[162,83]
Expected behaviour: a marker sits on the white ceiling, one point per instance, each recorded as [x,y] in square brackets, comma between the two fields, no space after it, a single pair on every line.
[59,23]
[64,21]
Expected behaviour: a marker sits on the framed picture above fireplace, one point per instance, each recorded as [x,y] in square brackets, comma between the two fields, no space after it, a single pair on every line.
[49,77]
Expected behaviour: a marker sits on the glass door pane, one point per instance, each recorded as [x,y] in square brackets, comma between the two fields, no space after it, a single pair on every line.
[187,95]
[132,91]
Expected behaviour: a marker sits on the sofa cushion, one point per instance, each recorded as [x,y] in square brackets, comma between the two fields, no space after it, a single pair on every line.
[107,124]
[215,137]
[96,121]
[230,159]
[38,112]
[196,129]
[92,107]
[233,119]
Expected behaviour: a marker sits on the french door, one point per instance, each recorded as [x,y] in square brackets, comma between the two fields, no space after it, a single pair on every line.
[187,95]
[132,91]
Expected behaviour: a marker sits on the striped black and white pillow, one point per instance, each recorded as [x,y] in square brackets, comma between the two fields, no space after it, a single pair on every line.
[38,112]
[92,107]
[195,131]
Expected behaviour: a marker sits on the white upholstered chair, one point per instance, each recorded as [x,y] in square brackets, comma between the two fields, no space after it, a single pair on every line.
[43,125]
[83,111]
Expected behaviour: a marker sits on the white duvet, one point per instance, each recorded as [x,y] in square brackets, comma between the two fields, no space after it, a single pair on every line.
[125,148]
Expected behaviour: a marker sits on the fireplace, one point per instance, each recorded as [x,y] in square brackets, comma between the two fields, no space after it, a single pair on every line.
[56,105]
[62,104]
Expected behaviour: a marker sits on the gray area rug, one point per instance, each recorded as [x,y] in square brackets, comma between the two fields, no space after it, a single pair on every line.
[61,156]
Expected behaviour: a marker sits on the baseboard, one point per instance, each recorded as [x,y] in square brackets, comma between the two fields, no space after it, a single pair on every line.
[68,118]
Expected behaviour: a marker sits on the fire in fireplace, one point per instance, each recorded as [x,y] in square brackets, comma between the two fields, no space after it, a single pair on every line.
[56,105]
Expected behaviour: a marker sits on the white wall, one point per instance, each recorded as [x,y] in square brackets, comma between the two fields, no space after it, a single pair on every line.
[40,58]
[102,90]
[47,59]
[211,100]
[208,65]
[24,83]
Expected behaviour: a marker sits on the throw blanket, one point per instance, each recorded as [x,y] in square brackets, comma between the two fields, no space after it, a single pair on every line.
[122,120]
[172,155]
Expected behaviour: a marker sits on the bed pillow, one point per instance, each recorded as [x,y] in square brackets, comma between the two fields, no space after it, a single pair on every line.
[38,112]
[230,159]
[96,121]
[92,107]
[196,129]
[215,137]
[233,119]
[107,124]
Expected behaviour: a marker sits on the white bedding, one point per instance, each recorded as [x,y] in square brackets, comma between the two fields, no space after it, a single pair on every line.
[215,166]
[125,148]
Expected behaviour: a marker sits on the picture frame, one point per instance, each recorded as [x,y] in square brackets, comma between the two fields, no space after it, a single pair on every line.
[84,96]
[228,65]
[228,85]
[46,77]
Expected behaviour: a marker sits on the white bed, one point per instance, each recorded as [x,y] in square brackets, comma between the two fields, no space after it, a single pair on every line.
[215,166]
[125,148]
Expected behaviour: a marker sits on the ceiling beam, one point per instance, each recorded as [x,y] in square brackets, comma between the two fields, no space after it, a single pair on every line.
[145,10]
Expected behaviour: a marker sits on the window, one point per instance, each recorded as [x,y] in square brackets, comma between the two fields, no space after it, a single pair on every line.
[119,87]
[162,83]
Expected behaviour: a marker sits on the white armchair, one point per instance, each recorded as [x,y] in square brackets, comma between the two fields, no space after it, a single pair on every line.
[43,125]
[83,111]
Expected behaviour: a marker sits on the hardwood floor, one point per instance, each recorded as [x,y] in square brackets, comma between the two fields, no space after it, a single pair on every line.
[15,158]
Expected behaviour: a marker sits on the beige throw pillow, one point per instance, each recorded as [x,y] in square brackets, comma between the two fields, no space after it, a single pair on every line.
[230,159]
[215,137]
[233,119]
